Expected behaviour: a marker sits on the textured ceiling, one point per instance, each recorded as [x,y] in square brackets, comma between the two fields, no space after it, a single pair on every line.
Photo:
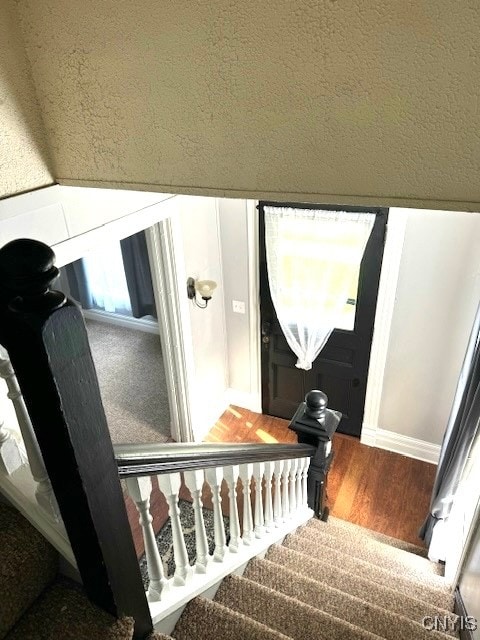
[24,163]
[340,100]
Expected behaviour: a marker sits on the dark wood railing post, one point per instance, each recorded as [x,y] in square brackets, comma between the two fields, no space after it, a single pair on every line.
[315,425]
[47,342]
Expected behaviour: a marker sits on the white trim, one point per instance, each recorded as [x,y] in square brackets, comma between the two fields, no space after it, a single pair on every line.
[244,400]
[165,247]
[398,443]
[118,320]
[222,308]
[254,306]
[397,221]
[77,246]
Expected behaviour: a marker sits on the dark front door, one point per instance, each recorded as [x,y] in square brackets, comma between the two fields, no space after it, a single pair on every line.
[341,368]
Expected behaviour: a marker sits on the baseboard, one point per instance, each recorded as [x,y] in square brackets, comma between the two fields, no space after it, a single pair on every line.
[469,622]
[398,443]
[148,326]
[250,401]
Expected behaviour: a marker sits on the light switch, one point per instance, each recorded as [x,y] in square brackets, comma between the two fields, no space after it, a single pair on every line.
[238,306]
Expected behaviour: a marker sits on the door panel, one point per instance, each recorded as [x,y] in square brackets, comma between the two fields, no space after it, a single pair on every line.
[341,368]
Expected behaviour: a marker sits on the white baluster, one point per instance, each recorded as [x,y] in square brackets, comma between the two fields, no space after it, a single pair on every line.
[304,482]
[258,469]
[194,481]
[169,484]
[44,492]
[292,488]
[268,473]
[246,476]
[231,474]
[277,496]
[285,500]
[214,478]
[140,490]
[298,485]
[10,456]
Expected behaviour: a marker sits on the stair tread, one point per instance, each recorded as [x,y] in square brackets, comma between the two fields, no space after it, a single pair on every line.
[344,525]
[360,610]
[64,611]
[304,558]
[28,564]
[350,582]
[375,553]
[285,614]
[209,620]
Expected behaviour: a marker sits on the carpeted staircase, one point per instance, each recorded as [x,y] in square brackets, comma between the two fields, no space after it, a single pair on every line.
[330,580]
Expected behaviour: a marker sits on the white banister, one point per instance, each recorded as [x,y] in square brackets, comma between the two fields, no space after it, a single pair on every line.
[246,476]
[231,475]
[194,481]
[44,492]
[258,470]
[298,485]
[274,482]
[285,501]
[169,484]
[140,490]
[214,477]
[268,474]
[10,456]
[292,487]
[277,492]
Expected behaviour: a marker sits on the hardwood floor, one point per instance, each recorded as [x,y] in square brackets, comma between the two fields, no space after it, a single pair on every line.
[377,489]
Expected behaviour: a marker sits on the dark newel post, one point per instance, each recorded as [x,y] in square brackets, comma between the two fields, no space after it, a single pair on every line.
[47,342]
[314,424]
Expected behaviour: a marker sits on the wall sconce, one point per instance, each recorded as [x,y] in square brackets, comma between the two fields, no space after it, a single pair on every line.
[203,287]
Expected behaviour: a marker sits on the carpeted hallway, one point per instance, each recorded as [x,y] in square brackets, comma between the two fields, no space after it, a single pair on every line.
[132,382]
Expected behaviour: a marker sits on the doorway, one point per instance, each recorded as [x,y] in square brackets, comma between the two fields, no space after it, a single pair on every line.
[113,285]
[341,369]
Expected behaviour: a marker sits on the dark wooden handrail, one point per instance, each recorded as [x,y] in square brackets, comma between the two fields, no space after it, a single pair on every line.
[146,460]
[46,339]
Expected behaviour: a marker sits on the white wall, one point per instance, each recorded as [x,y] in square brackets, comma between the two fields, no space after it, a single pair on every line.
[203,260]
[234,223]
[438,290]
[437,295]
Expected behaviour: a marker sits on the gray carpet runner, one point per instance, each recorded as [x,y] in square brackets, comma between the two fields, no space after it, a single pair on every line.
[331,581]
[35,604]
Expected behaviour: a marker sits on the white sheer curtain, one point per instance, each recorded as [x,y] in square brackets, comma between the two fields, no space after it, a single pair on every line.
[313,261]
[106,279]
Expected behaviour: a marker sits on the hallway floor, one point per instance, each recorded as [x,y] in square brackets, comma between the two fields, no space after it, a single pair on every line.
[132,382]
[378,489]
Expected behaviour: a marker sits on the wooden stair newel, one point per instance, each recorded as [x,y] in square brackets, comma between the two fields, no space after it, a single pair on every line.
[315,425]
[47,343]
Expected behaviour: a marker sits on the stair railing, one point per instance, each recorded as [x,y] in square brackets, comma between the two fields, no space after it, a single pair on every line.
[264,486]
[47,344]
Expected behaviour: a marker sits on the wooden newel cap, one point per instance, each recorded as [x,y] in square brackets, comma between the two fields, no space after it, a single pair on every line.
[27,271]
[315,404]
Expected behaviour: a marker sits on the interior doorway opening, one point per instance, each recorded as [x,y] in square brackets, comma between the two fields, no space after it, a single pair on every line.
[113,285]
